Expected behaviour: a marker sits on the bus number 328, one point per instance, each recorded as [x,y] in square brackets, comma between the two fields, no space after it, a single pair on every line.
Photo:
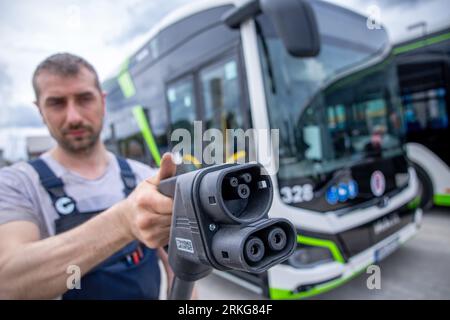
[297,194]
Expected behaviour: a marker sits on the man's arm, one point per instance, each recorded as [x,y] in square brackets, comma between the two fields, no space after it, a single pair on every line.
[31,268]
[37,269]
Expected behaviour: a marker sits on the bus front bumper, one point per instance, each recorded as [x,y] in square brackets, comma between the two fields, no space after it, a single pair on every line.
[327,276]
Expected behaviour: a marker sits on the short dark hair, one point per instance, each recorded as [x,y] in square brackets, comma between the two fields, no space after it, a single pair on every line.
[63,64]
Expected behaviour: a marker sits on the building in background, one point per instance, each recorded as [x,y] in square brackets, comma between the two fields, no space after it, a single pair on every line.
[13,141]
[36,145]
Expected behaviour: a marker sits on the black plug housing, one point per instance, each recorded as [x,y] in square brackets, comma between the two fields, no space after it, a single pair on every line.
[220,220]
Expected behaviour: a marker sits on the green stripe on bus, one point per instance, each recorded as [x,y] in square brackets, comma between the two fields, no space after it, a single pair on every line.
[442,199]
[124,65]
[126,84]
[322,243]
[125,81]
[422,43]
[283,294]
[141,119]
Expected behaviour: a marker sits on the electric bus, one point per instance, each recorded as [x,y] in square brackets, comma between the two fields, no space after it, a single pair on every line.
[424,76]
[315,72]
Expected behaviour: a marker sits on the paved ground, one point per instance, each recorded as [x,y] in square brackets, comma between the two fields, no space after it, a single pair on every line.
[420,269]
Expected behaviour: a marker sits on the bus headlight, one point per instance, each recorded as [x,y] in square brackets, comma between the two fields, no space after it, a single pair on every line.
[306,257]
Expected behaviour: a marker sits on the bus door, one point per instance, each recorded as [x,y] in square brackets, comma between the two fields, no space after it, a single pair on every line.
[215,94]
[225,106]
[183,110]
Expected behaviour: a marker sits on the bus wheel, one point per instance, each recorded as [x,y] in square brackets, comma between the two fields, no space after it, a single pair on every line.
[425,187]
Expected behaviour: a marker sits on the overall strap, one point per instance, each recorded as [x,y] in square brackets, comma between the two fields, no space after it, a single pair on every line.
[54,186]
[127,175]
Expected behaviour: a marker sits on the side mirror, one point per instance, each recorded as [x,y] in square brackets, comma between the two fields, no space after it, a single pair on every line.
[294,22]
[296,25]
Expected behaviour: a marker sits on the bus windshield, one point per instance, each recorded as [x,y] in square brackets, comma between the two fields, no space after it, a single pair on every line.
[336,109]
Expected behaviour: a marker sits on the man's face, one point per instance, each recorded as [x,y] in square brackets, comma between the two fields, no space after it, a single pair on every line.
[72,108]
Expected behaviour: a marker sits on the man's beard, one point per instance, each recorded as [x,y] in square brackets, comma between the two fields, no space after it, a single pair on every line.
[79,145]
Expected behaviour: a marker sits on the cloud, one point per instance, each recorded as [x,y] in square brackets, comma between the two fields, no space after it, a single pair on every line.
[20,116]
[397,15]
[388,4]
[5,82]
[104,32]
[145,14]
[11,115]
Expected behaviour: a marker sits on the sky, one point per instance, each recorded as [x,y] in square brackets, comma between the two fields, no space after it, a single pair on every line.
[106,32]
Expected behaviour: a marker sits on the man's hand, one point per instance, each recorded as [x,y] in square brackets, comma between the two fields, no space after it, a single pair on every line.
[147,212]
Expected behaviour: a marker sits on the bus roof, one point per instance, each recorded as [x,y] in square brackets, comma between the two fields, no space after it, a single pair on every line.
[190,9]
[422,41]
[175,16]
[186,11]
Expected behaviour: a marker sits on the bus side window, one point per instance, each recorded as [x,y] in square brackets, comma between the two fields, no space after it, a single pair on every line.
[222,96]
[182,113]
[222,101]
[182,106]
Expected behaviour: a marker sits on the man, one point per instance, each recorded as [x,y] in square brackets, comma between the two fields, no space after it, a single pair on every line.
[74,209]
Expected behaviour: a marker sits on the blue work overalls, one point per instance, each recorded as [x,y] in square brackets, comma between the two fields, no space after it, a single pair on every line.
[130,273]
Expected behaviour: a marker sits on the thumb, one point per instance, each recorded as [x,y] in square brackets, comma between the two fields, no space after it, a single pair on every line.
[167,168]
